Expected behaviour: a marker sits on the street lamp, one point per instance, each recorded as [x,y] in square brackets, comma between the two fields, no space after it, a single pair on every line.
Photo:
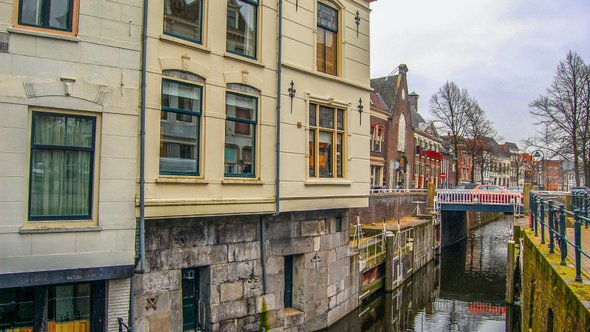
[540,156]
[456,169]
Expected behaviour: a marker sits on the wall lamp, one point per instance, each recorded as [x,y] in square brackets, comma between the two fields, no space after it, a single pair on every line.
[292,92]
[360,110]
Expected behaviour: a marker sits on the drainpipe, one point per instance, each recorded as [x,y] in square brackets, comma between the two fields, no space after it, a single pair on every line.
[279,77]
[263,254]
[278,151]
[142,139]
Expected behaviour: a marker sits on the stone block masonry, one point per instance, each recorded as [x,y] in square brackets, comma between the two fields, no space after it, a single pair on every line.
[224,255]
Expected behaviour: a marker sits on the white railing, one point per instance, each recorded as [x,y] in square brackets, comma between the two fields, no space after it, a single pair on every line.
[454,196]
[393,190]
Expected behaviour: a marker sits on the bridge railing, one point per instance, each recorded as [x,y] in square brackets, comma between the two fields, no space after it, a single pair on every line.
[393,190]
[554,221]
[454,196]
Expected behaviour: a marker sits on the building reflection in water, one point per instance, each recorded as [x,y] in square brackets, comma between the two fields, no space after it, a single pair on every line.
[464,292]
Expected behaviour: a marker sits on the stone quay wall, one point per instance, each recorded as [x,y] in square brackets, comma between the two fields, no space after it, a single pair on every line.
[227,253]
[550,297]
[388,206]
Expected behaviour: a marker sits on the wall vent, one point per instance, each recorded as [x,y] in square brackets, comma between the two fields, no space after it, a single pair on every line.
[3,42]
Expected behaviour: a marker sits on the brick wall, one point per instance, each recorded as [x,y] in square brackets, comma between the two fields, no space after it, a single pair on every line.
[388,206]
[548,286]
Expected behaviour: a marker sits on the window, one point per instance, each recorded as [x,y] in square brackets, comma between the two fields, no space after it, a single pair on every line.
[376,175]
[184,19]
[67,307]
[180,128]
[62,167]
[326,140]
[242,27]
[401,133]
[240,131]
[377,133]
[327,39]
[47,14]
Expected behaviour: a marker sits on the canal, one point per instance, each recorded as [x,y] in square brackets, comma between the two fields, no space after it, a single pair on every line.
[462,290]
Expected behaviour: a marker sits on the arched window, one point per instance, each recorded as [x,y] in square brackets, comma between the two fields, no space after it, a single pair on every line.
[180,123]
[241,108]
[401,133]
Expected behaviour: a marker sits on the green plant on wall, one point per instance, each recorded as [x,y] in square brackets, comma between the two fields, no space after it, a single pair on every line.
[263,325]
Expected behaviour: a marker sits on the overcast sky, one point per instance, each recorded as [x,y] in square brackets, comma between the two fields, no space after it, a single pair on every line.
[504,52]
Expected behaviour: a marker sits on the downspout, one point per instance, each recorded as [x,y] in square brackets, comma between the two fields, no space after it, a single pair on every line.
[278,151]
[142,139]
[279,77]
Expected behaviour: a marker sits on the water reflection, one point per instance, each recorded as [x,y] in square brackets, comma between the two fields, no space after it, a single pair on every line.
[462,292]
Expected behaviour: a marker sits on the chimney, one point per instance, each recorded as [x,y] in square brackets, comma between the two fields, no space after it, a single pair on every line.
[402,69]
[413,98]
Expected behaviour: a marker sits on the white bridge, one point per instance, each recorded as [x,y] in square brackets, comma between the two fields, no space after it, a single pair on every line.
[478,200]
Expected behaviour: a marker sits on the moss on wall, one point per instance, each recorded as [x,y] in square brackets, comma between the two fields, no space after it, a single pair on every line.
[548,286]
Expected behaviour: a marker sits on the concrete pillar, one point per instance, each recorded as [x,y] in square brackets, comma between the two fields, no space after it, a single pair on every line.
[510,273]
[430,196]
[389,266]
[525,195]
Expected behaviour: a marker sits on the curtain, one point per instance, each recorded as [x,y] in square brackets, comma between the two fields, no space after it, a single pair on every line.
[61,166]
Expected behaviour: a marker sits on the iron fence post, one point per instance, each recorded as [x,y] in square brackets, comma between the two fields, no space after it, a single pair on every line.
[551,228]
[578,241]
[534,225]
[542,213]
[532,208]
[562,234]
[586,202]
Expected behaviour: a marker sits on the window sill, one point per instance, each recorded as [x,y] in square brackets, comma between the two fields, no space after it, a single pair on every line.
[244,59]
[43,34]
[180,41]
[181,180]
[328,182]
[62,228]
[242,181]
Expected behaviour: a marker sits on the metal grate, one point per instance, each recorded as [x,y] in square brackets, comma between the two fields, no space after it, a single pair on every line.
[3,42]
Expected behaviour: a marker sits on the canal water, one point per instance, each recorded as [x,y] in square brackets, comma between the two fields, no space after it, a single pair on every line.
[462,290]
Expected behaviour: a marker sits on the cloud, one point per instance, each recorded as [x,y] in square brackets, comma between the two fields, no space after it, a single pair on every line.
[504,52]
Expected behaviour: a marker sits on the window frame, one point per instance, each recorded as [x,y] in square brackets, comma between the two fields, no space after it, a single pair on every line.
[73,20]
[335,132]
[256,4]
[199,115]
[254,123]
[92,172]
[201,19]
[337,38]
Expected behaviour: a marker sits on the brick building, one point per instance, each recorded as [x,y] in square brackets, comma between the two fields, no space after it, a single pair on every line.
[400,143]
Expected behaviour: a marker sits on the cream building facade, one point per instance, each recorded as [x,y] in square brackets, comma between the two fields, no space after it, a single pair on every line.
[69,91]
[227,241]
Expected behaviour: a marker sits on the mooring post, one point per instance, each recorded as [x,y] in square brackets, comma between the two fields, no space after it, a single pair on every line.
[562,234]
[551,227]
[578,241]
[510,274]
[390,275]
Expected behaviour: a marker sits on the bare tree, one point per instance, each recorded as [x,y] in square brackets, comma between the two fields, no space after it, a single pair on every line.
[449,107]
[562,114]
[477,145]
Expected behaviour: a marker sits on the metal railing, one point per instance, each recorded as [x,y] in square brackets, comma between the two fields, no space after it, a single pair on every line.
[123,326]
[393,190]
[547,215]
[370,248]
